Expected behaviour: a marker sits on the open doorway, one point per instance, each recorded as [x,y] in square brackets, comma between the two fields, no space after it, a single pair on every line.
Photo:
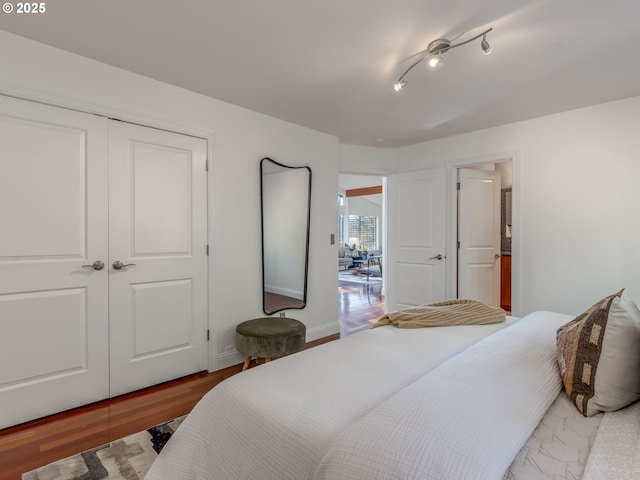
[483,232]
[360,240]
[421,261]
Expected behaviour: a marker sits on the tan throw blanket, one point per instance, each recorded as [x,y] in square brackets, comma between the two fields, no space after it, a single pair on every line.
[449,312]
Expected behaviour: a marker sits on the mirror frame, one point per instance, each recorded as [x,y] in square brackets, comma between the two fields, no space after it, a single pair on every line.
[308,229]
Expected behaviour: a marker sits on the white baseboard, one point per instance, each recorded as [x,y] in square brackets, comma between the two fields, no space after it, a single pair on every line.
[286,292]
[229,359]
[322,331]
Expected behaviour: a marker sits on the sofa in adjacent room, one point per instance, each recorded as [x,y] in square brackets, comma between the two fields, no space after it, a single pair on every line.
[344,257]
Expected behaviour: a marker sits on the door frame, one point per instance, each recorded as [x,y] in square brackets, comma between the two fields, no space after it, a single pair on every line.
[452,167]
[383,218]
[161,123]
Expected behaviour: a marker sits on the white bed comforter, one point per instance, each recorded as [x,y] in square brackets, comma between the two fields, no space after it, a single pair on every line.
[441,403]
[466,419]
[279,420]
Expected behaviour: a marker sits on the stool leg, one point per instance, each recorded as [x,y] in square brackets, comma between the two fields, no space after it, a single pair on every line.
[246,363]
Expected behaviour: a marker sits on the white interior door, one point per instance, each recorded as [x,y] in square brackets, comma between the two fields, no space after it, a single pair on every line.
[415,258]
[157,230]
[479,235]
[53,220]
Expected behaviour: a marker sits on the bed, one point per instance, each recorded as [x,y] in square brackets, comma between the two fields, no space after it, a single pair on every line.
[455,402]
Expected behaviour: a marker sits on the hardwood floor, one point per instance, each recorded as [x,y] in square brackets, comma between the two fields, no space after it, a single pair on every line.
[31,445]
[359,306]
[37,443]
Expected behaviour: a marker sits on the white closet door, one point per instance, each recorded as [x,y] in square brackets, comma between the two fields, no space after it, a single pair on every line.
[157,228]
[53,220]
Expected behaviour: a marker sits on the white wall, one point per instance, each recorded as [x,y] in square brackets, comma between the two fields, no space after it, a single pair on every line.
[579,200]
[367,160]
[365,206]
[239,139]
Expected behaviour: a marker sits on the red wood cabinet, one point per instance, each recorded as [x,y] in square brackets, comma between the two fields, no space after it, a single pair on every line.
[505,282]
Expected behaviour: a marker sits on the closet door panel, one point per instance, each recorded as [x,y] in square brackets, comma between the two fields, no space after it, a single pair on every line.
[158,301]
[161,201]
[53,220]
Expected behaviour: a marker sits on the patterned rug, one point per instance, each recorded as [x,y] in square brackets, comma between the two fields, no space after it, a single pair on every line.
[356,277]
[128,458]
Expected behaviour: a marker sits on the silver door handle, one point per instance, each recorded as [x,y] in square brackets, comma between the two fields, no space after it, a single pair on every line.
[437,257]
[97,265]
[496,256]
[118,265]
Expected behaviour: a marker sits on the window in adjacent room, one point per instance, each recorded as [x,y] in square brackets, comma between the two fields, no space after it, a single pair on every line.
[363,231]
[342,238]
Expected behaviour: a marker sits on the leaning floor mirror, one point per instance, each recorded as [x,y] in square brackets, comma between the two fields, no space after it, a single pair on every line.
[286,209]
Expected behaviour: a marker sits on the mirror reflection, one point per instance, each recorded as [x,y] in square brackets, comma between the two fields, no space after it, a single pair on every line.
[285,201]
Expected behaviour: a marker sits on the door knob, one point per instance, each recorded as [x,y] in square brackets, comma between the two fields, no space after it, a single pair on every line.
[118,265]
[437,257]
[97,265]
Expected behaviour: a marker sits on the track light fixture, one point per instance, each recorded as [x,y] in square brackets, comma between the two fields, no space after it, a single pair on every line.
[486,48]
[399,85]
[434,51]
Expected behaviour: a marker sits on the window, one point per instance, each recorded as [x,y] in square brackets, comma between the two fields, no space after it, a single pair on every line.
[342,238]
[363,231]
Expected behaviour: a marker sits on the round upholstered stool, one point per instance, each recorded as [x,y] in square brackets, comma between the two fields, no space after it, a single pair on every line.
[269,337]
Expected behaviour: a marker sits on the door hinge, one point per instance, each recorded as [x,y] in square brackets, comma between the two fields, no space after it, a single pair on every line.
[208,336]
[207,249]
[458,244]
[206,165]
[458,186]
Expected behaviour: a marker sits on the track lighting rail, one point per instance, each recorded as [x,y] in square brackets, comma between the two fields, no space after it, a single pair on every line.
[433,53]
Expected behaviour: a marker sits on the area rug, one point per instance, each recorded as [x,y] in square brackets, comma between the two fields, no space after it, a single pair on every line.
[354,276]
[128,458]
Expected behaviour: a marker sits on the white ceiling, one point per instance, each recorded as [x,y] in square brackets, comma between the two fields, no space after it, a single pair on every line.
[330,64]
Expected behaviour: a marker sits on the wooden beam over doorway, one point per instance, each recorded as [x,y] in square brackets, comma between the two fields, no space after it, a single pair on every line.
[358,192]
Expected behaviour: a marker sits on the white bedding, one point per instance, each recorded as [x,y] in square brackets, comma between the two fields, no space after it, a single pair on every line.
[616,451]
[302,416]
[568,446]
[277,421]
[559,447]
[466,419]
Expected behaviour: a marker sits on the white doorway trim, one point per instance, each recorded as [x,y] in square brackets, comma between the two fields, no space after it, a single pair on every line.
[382,226]
[452,167]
